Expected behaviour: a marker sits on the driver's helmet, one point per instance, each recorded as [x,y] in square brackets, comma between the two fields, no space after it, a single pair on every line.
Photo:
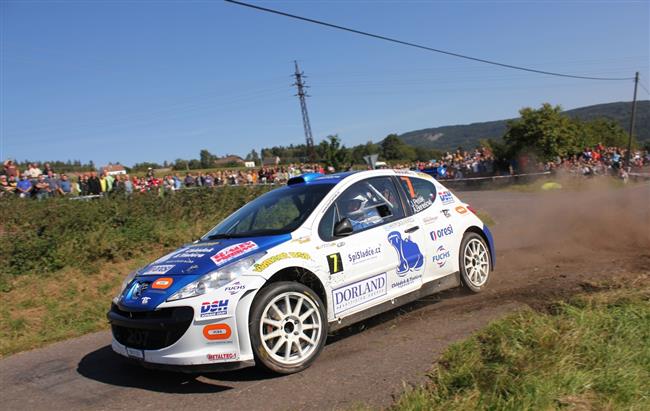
[354,204]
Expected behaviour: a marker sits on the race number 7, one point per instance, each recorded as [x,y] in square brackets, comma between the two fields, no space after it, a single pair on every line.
[335,263]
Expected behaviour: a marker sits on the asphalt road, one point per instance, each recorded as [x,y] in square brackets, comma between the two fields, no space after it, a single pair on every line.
[548,245]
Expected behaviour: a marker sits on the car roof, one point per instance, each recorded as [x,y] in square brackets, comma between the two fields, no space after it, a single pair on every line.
[336,178]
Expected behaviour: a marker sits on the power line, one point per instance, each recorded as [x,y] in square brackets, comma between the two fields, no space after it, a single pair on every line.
[419,46]
[644,87]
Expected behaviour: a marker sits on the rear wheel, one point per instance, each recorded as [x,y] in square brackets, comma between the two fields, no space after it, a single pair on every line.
[474,262]
[288,327]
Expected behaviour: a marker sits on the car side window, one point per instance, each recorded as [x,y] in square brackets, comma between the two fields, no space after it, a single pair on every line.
[420,193]
[368,203]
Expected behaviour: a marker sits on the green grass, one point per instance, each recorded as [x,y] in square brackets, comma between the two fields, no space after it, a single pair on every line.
[592,352]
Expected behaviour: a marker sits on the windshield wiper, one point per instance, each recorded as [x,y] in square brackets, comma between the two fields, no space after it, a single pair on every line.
[221,236]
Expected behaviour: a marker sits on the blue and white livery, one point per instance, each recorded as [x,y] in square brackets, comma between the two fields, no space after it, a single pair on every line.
[268,283]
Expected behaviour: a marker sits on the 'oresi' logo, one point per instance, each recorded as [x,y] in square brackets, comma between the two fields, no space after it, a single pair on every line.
[442,232]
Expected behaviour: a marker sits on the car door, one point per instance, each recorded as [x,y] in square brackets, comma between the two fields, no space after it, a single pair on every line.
[431,210]
[363,264]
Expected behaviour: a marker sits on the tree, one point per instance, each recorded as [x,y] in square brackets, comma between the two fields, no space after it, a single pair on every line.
[601,131]
[253,156]
[392,148]
[332,153]
[206,159]
[546,133]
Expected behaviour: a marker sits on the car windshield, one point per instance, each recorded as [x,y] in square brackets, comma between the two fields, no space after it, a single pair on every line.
[277,212]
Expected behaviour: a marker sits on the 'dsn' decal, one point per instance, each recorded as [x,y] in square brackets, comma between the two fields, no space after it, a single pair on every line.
[410,257]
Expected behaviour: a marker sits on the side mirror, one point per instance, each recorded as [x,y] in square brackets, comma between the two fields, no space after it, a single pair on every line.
[343,228]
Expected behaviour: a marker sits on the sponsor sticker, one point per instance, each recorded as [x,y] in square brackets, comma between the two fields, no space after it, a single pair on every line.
[355,294]
[408,252]
[420,203]
[406,281]
[446,212]
[235,288]
[365,254]
[430,220]
[145,300]
[215,308]
[158,269]
[162,283]
[234,251]
[334,262]
[222,356]
[441,256]
[217,332]
[446,197]
[460,210]
[278,257]
[441,232]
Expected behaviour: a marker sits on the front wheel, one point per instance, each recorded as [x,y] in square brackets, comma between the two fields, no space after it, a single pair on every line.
[474,262]
[288,327]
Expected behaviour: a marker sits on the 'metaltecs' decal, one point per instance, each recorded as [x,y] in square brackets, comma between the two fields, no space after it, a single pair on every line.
[408,252]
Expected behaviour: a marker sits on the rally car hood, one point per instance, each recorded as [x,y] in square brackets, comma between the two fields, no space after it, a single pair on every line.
[159,280]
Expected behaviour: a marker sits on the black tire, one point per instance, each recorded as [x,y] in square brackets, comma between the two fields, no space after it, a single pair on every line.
[475,270]
[292,331]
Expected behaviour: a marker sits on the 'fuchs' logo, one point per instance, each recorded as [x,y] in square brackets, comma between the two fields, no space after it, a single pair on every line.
[410,257]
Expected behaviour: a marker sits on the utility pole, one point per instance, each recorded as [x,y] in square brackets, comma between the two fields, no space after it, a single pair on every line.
[300,84]
[629,140]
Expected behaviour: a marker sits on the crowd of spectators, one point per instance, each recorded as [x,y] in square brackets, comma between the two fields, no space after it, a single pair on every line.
[34,182]
[600,161]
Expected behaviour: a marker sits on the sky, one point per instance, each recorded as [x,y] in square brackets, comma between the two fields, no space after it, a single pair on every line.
[134,81]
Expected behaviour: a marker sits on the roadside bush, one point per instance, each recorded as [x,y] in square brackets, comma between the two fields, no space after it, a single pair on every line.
[41,237]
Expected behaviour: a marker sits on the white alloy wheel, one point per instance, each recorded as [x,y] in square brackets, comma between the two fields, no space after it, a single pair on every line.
[474,262]
[290,328]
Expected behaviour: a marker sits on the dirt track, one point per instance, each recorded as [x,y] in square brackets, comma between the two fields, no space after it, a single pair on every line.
[548,245]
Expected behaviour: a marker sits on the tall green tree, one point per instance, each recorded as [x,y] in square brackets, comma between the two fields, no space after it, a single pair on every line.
[206,159]
[545,133]
[332,152]
[392,148]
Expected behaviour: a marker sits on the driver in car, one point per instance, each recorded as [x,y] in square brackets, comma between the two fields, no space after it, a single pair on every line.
[360,214]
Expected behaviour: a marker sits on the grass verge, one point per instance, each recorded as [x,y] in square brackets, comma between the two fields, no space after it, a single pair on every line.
[591,352]
[41,309]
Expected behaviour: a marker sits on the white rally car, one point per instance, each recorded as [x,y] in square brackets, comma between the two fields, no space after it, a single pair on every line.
[269,282]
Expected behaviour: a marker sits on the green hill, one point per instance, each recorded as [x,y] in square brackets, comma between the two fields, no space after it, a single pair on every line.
[468,135]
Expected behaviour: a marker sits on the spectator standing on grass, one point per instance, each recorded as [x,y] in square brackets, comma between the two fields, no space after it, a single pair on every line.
[33,171]
[178,184]
[65,187]
[53,183]
[102,183]
[109,181]
[128,185]
[42,187]
[24,187]
[94,185]
[10,169]
[189,180]
[6,189]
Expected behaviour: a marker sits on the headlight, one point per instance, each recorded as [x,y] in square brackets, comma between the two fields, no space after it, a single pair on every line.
[217,278]
[125,283]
